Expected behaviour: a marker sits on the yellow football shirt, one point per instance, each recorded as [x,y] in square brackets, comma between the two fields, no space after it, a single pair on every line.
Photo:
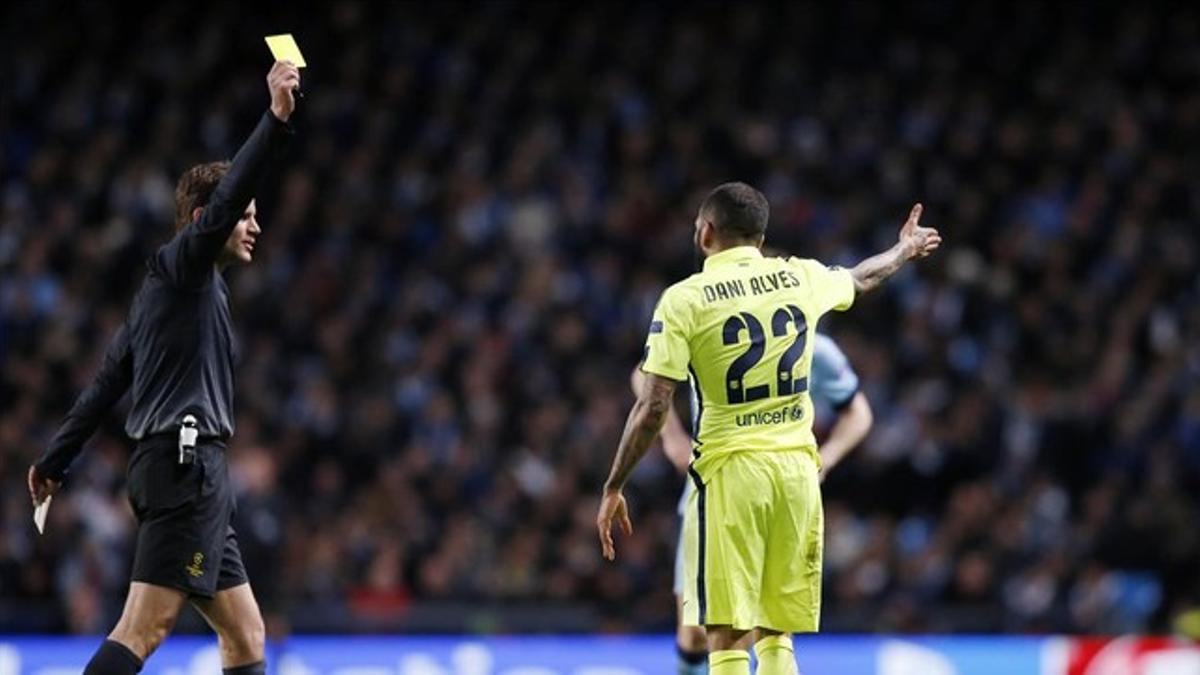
[742,331]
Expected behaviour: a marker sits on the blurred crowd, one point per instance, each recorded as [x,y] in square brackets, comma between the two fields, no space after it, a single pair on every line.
[459,264]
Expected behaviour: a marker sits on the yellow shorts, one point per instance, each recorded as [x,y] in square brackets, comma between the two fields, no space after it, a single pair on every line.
[753,539]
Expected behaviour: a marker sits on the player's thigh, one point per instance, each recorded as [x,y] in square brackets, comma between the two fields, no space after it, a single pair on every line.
[761,632]
[150,612]
[721,638]
[731,512]
[795,548]
[234,614]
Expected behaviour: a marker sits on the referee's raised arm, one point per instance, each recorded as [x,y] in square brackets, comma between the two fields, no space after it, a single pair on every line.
[189,257]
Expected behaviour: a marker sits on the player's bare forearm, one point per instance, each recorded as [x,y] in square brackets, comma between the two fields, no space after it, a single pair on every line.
[915,242]
[872,272]
[645,421]
[852,426]
[676,444]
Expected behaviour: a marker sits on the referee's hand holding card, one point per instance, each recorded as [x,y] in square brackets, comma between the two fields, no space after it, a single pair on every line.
[283,82]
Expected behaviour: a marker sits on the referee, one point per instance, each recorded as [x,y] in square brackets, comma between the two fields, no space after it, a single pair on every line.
[175,353]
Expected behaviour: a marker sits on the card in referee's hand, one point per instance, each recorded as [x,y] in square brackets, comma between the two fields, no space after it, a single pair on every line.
[284,48]
[39,514]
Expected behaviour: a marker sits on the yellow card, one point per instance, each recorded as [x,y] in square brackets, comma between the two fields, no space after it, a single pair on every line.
[284,48]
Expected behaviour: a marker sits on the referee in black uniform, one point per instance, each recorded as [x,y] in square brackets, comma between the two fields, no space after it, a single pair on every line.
[175,353]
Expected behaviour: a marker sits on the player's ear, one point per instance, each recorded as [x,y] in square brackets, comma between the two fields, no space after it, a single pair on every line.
[708,235]
[196,213]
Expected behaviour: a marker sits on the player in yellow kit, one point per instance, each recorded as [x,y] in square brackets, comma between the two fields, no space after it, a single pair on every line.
[740,331]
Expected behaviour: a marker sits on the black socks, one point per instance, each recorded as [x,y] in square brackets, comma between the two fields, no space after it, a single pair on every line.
[113,658]
[259,668]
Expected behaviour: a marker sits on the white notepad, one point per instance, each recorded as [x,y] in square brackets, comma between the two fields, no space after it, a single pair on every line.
[39,514]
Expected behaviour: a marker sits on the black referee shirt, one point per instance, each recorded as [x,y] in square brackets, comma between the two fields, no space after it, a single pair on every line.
[176,349]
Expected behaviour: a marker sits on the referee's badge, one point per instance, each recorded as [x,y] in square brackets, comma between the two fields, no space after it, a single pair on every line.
[195,568]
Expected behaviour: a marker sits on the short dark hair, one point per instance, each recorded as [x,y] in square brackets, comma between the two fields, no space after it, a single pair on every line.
[195,188]
[737,211]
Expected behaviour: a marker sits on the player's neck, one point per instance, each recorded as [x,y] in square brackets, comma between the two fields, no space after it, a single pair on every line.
[720,245]
[722,248]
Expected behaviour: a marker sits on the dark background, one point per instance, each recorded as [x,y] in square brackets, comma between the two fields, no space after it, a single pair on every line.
[459,264]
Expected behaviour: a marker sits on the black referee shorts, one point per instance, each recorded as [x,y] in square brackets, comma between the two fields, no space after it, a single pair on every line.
[185,537]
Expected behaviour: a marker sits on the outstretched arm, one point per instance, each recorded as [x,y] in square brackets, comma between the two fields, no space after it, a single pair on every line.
[915,242]
[645,421]
[189,257]
[94,402]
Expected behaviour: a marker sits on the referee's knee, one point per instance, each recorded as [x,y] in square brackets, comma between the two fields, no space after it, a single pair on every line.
[244,642]
[144,637]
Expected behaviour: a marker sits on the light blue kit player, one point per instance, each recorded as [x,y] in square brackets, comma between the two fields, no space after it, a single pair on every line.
[833,384]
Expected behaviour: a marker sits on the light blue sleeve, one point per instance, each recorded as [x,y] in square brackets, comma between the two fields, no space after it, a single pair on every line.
[832,379]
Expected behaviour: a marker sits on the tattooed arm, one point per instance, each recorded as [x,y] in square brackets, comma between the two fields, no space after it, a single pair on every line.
[646,419]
